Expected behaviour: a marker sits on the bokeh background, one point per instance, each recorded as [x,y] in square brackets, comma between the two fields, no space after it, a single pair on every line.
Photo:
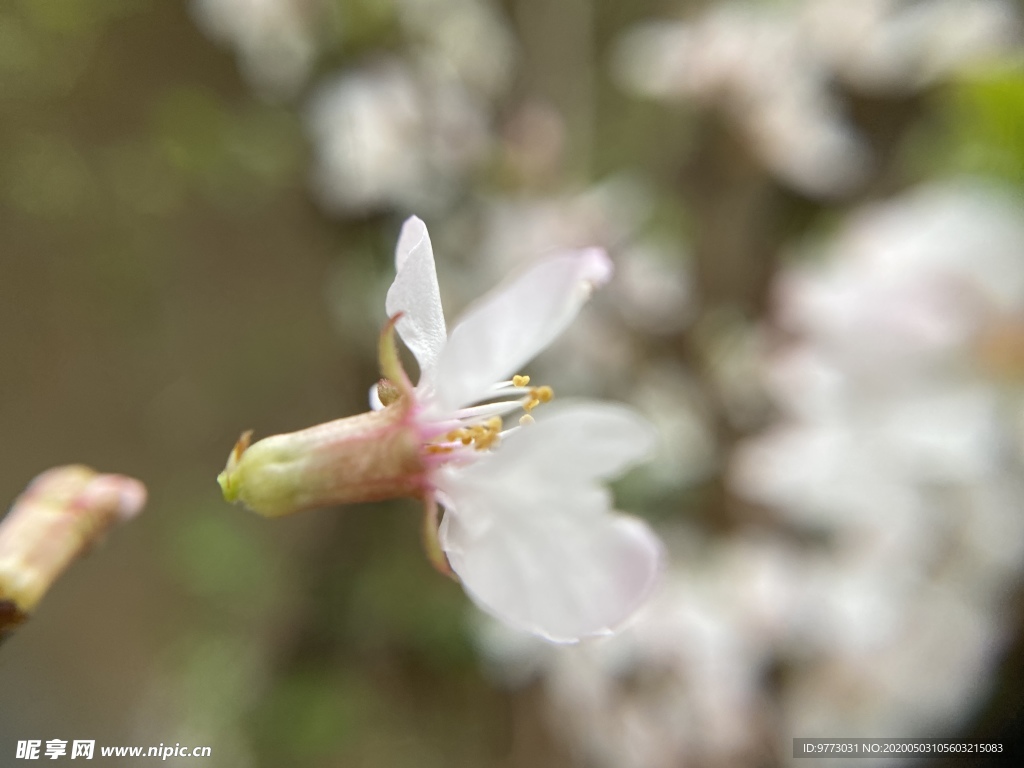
[815,211]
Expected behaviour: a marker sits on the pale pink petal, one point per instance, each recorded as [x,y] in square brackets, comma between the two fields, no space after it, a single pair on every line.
[562,576]
[531,533]
[509,326]
[415,293]
[573,442]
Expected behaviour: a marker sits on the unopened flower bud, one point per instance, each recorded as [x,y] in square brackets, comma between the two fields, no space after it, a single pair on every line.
[60,516]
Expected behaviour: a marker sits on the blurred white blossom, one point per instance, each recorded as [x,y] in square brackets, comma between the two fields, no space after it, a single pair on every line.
[399,132]
[892,441]
[889,46]
[771,70]
[612,213]
[387,136]
[274,39]
[652,290]
[669,395]
[893,459]
[468,38]
[752,63]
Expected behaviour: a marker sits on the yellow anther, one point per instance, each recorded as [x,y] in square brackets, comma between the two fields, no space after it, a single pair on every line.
[494,423]
[486,441]
[388,392]
[526,419]
[529,405]
[439,449]
[455,434]
[466,439]
[520,381]
[544,394]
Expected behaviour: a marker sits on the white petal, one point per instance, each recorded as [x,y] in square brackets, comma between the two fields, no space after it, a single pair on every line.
[531,533]
[415,293]
[561,458]
[571,443]
[509,326]
[561,576]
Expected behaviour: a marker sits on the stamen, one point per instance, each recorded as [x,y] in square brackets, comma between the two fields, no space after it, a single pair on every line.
[480,426]
[486,441]
[388,392]
[488,409]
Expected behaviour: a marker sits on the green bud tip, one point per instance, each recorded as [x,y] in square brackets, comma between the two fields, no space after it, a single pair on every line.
[227,479]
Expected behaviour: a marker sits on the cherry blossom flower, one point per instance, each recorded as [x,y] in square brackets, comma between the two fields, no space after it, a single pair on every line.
[528,528]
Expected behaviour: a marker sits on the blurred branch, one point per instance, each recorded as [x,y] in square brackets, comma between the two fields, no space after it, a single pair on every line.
[60,516]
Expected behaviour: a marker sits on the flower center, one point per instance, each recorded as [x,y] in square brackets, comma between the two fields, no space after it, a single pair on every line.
[480,427]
